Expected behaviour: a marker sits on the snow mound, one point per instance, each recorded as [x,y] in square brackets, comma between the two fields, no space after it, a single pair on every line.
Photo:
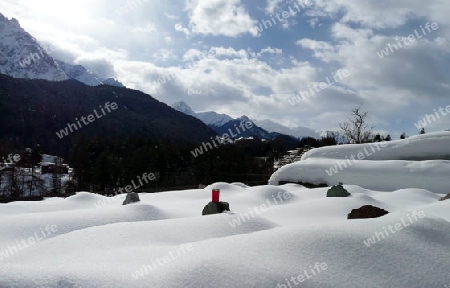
[279,255]
[239,184]
[163,241]
[84,197]
[430,146]
[390,175]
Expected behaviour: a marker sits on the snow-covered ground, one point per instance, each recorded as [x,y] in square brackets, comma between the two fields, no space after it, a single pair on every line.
[274,236]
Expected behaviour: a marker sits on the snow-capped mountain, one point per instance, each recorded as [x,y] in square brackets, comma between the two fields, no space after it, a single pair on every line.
[184,108]
[113,82]
[298,132]
[254,129]
[21,56]
[210,118]
[213,119]
[265,129]
[221,122]
[80,73]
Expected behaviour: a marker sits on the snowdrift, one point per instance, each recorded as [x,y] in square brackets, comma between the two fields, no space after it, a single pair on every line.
[430,146]
[376,165]
[390,175]
[274,236]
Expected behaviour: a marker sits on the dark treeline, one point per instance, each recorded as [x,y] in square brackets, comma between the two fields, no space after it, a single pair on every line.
[102,164]
[316,143]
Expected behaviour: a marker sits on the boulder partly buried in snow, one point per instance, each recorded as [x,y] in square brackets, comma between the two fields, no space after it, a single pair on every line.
[215,208]
[132,197]
[338,191]
[366,211]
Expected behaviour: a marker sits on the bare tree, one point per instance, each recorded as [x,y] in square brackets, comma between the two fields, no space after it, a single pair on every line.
[357,130]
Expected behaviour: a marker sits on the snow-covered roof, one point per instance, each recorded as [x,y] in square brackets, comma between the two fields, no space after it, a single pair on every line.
[376,165]
[419,147]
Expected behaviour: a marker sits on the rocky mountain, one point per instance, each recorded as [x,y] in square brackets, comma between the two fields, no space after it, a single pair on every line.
[266,129]
[234,127]
[213,119]
[113,82]
[222,123]
[21,56]
[298,132]
[210,118]
[183,107]
[80,73]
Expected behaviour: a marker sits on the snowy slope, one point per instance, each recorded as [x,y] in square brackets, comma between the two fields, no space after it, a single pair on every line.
[22,57]
[113,82]
[183,107]
[380,175]
[209,118]
[212,118]
[420,147]
[298,132]
[361,164]
[217,120]
[164,242]
[80,73]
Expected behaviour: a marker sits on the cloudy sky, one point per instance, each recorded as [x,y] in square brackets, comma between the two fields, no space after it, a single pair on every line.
[249,57]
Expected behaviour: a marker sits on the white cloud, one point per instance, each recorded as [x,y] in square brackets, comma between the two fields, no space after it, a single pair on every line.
[149,28]
[172,17]
[219,17]
[272,6]
[220,55]
[164,55]
[269,50]
[180,28]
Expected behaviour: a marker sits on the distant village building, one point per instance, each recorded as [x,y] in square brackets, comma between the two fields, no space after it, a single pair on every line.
[52,168]
[53,164]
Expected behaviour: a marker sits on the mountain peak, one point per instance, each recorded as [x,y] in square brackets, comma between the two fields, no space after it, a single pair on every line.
[183,107]
[79,73]
[22,57]
[113,82]
[298,132]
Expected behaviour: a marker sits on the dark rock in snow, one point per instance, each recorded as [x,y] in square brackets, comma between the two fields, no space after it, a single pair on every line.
[338,191]
[367,211]
[132,197]
[215,208]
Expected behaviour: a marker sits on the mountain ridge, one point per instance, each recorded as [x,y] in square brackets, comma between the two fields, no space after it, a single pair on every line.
[216,121]
[21,56]
[37,109]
